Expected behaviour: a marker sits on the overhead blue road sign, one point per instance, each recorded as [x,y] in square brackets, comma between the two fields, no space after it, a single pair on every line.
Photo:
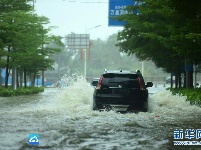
[116,8]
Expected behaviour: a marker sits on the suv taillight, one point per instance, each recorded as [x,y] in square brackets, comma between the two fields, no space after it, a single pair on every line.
[140,83]
[100,83]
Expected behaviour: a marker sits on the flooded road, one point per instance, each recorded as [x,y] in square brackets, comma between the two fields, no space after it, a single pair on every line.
[64,119]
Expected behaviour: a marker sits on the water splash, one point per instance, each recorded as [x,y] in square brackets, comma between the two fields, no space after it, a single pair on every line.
[77,95]
[64,117]
[67,80]
[164,103]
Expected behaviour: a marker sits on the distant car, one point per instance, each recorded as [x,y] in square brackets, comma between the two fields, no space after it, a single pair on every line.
[122,91]
[94,82]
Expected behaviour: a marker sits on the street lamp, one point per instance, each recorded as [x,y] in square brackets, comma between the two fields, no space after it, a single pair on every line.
[85,50]
[89,29]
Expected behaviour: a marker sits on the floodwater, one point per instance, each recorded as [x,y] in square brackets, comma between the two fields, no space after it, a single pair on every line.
[64,119]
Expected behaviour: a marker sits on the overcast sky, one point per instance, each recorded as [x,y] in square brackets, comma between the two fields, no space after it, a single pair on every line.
[78,16]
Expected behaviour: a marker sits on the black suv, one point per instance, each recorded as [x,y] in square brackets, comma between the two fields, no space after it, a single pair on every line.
[122,91]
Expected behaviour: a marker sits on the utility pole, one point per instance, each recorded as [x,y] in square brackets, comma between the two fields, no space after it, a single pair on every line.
[189,75]
[14,78]
[142,67]
[43,75]
[195,72]
[85,50]
[0,78]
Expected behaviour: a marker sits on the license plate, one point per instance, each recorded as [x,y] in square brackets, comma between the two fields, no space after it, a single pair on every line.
[119,107]
[120,91]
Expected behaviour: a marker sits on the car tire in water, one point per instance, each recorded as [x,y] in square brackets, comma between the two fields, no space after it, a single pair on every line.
[94,106]
[145,107]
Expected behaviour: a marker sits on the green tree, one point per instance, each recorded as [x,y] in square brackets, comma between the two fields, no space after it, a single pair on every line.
[157,33]
[24,37]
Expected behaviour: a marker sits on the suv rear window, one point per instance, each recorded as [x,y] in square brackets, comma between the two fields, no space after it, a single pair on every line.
[125,80]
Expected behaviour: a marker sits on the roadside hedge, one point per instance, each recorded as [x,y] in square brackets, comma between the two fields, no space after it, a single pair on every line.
[20,91]
[193,95]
